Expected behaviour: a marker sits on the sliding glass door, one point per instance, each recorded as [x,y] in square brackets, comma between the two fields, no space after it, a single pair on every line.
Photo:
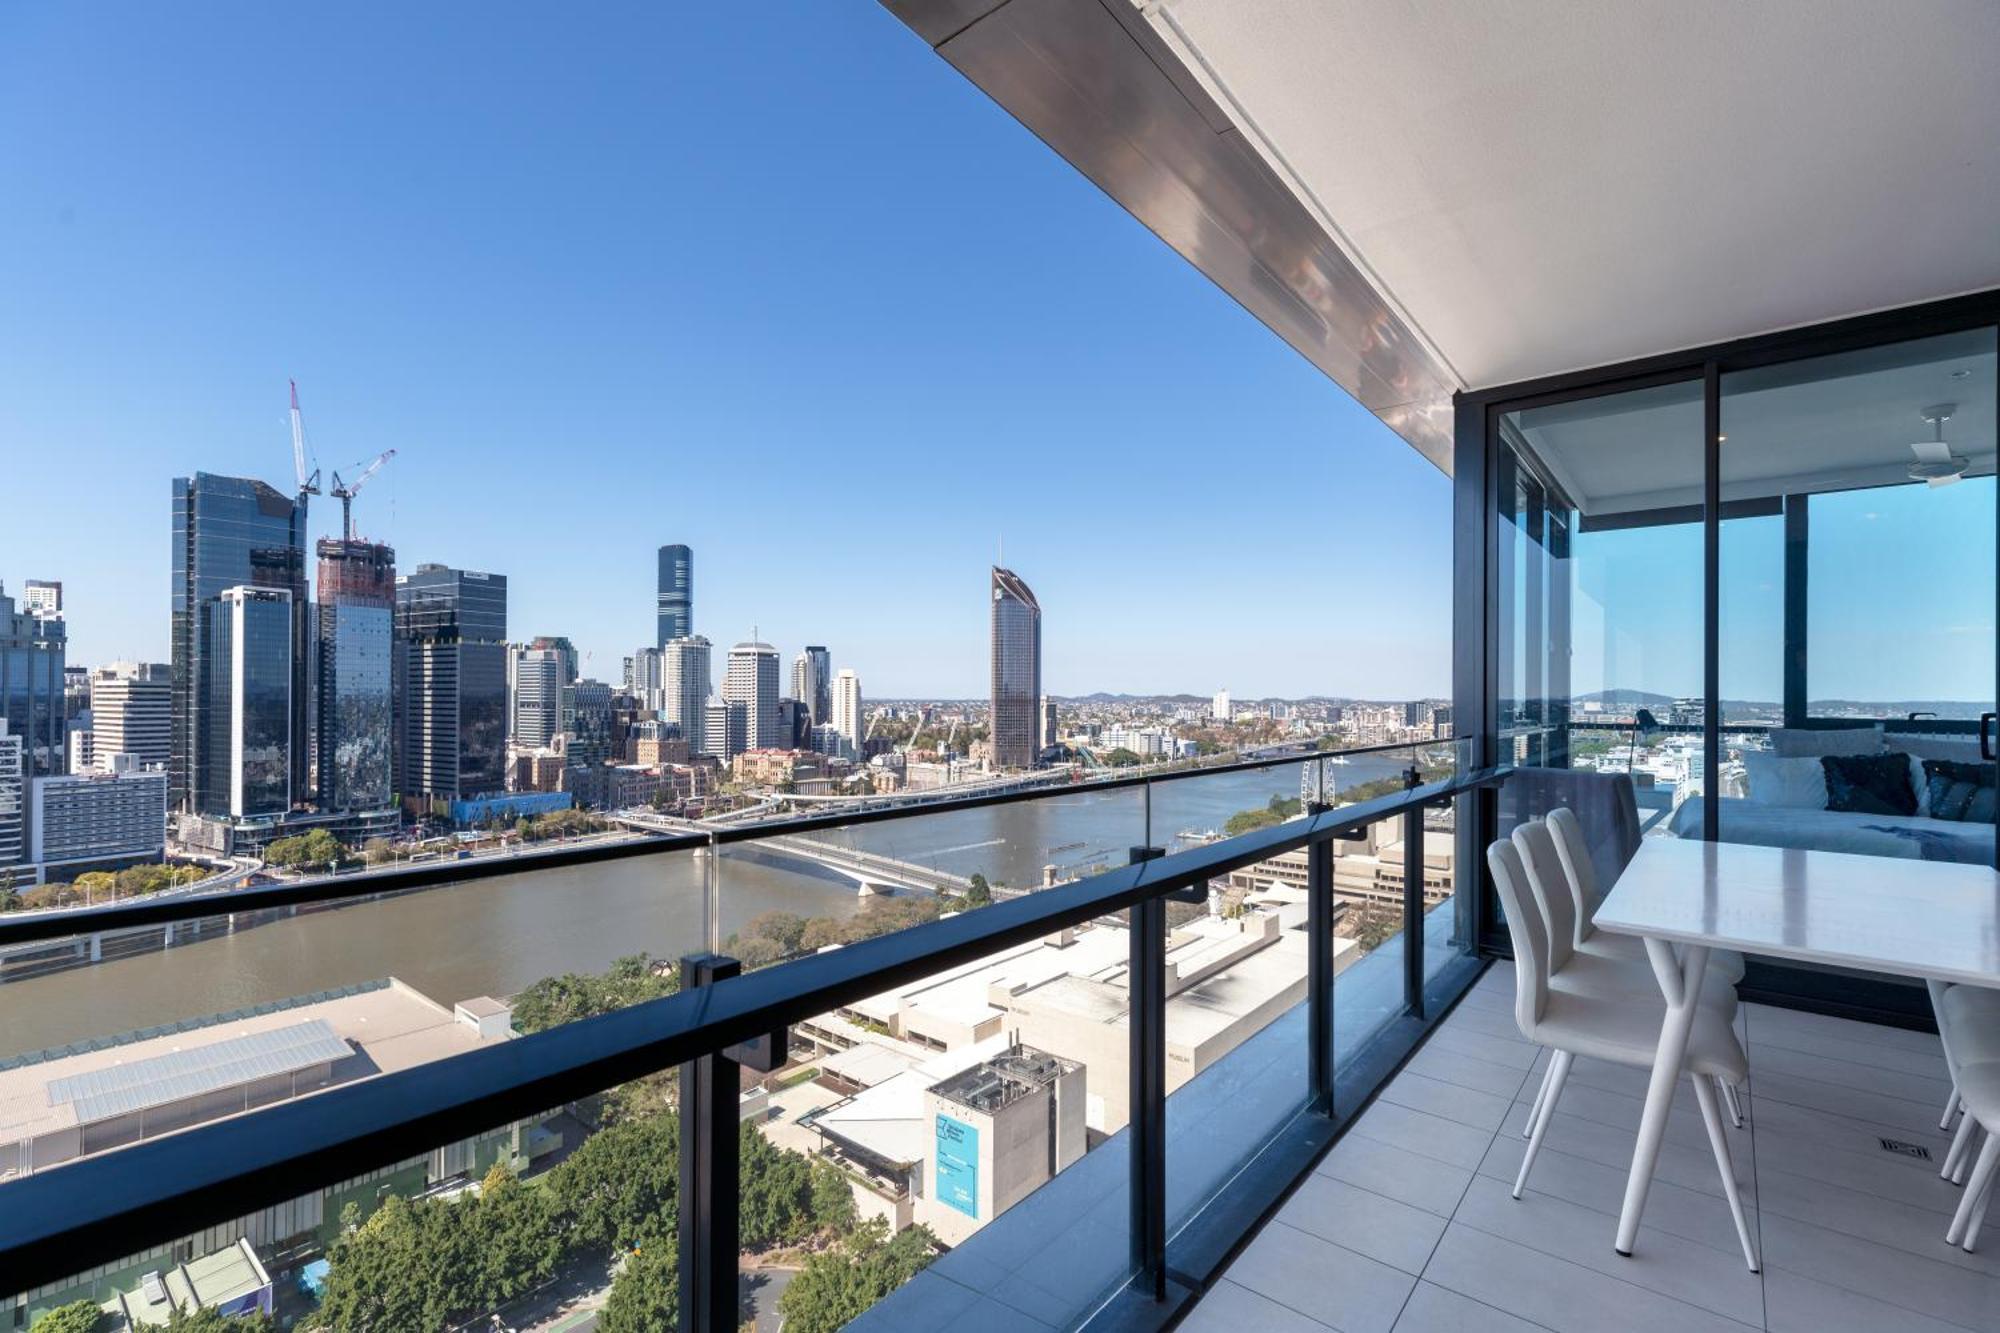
[1876,464]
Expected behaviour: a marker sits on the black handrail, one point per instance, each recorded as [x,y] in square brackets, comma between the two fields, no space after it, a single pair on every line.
[25,928]
[53,1222]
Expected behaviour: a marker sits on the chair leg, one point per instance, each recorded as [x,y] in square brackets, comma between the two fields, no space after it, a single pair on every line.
[1711,1116]
[1950,1106]
[1541,1095]
[1971,1239]
[1979,1135]
[1982,1176]
[1960,1142]
[1729,1102]
[1558,1071]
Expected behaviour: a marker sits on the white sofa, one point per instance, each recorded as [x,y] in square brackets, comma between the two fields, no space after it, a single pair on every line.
[1784,808]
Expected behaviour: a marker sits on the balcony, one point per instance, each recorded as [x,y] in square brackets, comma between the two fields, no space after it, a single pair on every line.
[1701,318]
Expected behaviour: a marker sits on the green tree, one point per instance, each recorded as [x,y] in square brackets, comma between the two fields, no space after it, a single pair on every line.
[1122,758]
[835,1287]
[517,1241]
[388,1272]
[832,1196]
[315,849]
[646,1294]
[620,1187]
[553,1001]
[76,1317]
[980,894]
[775,1191]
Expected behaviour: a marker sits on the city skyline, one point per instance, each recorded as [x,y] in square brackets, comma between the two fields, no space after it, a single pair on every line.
[506,296]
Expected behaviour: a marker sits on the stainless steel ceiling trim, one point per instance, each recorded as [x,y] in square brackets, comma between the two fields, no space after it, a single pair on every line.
[1111,99]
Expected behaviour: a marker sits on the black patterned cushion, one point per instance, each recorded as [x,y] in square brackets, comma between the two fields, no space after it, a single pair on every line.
[1869,784]
[1960,791]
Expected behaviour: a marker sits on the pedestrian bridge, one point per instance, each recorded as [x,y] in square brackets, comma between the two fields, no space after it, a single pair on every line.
[871,871]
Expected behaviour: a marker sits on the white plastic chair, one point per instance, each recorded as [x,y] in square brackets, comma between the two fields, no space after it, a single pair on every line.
[1595,966]
[1573,848]
[1619,1028]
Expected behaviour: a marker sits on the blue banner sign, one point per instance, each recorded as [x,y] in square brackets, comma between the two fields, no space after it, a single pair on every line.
[958,1165]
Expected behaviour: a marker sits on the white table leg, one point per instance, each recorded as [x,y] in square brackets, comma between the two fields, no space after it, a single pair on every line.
[1680,982]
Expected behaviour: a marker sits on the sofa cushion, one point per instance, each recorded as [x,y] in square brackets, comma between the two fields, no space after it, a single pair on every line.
[1796,781]
[1869,784]
[1959,791]
[1792,741]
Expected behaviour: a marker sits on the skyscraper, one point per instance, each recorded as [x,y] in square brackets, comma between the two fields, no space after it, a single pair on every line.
[132,710]
[676,605]
[821,698]
[752,680]
[450,683]
[355,635]
[686,689]
[847,707]
[13,797]
[1017,670]
[228,532]
[646,678]
[586,721]
[724,728]
[535,696]
[42,598]
[564,650]
[247,679]
[1048,732]
[31,685]
[805,683]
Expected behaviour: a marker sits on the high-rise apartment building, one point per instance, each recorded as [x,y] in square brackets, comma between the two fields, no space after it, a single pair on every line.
[109,818]
[1047,736]
[847,707]
[248,678]
[228,532]
[724,728]
[676,604]
[752,680]
[353,719]
[646,678]
[805,683]
[822,695]
[42,598]
[31,684]
[450,683]
[535,687]
[685,685]
[13,797]
[564,650]
[132,712]
[1017,670]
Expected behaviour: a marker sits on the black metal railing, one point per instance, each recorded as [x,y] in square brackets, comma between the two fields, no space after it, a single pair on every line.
[54,1223]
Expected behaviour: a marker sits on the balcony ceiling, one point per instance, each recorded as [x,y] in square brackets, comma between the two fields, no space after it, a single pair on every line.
[1539,188]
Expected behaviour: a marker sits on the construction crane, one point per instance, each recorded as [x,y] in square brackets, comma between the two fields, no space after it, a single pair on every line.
[307,485]
[347,490]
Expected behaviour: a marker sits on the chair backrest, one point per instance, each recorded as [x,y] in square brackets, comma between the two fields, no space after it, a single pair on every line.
[1527,930]
[1550,885]
[1573,849]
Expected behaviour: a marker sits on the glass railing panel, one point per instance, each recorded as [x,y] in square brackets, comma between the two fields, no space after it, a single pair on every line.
[522,951]
[568,1210]
[962,1111]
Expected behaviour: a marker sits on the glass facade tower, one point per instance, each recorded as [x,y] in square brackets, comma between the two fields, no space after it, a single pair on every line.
[1017,671]
[228,532]
[676,605]
[31,685]
[357,598]
[450,683]
[247,684]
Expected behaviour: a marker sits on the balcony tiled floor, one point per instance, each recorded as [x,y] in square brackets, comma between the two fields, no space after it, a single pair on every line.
[1407,1224]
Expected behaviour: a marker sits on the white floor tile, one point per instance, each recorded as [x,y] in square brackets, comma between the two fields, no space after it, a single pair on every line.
[1230,1307]
[1432,1309]
[1560,1295]
[1425,1134]
[1468,1106]
[1323,1281]
[1422,1182]
[1386,1231]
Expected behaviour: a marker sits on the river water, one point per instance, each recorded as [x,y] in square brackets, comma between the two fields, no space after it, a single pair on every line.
[496,936]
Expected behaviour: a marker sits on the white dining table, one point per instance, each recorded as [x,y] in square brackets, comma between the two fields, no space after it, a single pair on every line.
[1931,919]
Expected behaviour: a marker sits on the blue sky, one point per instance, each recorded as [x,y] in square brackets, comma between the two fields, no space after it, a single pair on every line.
[795,294]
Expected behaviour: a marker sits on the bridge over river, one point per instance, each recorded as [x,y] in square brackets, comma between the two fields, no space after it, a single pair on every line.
[871,871]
